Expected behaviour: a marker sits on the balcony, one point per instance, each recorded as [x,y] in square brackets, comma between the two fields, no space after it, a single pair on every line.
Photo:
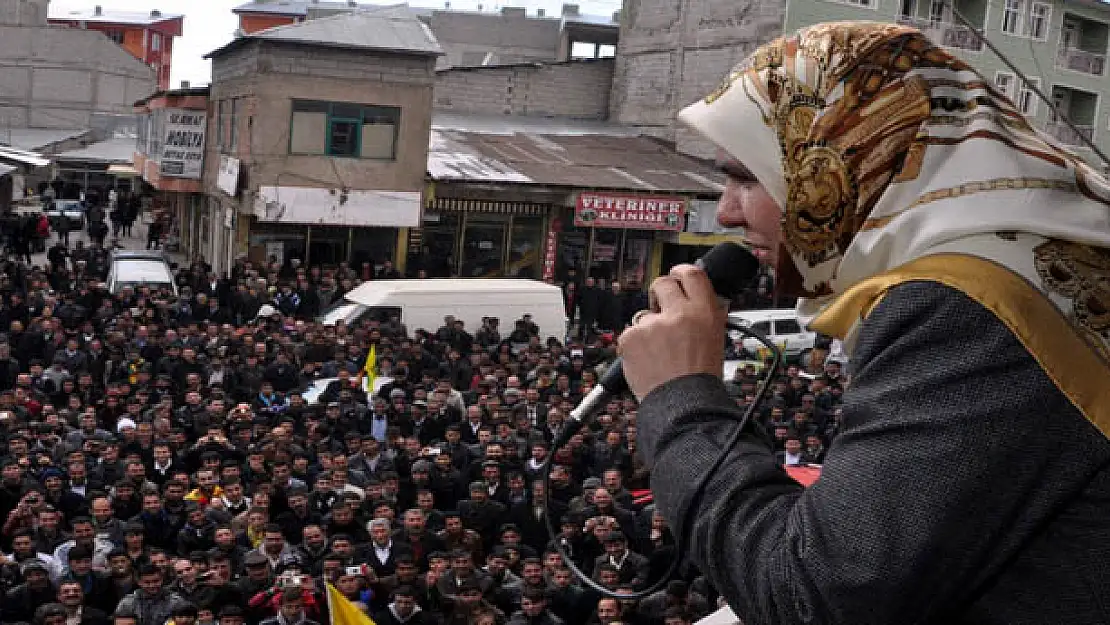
[1081,61]
[944,33]
[1065,135]
[1082,45]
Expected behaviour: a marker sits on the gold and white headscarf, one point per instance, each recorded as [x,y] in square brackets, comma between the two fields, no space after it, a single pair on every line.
[893,161]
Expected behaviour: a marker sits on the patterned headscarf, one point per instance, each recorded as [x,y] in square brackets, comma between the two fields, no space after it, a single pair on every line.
[882,148]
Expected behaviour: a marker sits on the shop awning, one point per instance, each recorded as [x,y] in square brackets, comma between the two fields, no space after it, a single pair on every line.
[24,157]
[123,170]
[5,170]
[459,205]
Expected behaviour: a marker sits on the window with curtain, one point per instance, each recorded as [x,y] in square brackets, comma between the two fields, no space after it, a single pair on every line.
[345,130]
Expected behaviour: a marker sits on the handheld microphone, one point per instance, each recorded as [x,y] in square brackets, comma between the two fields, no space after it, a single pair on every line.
[730,269]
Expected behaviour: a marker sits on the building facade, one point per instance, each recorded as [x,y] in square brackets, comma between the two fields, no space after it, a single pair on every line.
[672,53]
[62,77]
[169,157]
[148,37]
[1061,45]
[559,200]
[468,38]
[318,150]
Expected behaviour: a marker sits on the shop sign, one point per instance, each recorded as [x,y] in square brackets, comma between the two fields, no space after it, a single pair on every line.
[183,144]
[610,210]
[551,251]
[228,179]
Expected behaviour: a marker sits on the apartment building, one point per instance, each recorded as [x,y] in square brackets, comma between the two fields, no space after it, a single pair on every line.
[1061,45]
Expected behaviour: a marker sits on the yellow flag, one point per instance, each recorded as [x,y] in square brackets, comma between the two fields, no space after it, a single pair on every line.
[368,369]
[343,612]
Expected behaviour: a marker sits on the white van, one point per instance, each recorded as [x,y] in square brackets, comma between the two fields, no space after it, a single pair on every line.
[424,303]
[780,325]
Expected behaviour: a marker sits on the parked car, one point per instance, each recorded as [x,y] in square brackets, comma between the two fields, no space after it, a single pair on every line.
[780,325]
[72,211]
[131,268]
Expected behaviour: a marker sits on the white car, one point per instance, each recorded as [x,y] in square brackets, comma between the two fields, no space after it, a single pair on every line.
[136,269]
[780,325]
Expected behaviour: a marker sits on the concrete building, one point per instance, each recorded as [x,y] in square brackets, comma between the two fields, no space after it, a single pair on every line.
[468,38]
[52,77]
[558,200]
[1061,45]
[318,141]
[672,53]
[146,36]
[169,157]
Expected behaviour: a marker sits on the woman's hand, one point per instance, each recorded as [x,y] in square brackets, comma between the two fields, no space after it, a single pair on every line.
[682,335]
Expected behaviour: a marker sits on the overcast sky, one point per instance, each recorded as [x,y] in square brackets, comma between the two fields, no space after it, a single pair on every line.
[210,23]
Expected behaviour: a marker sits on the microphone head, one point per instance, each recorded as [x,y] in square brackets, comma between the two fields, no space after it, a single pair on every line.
[730,268]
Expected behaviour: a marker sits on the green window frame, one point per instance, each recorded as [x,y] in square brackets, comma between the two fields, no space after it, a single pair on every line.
[349,130]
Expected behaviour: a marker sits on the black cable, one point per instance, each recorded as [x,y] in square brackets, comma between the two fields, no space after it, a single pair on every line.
[572,428]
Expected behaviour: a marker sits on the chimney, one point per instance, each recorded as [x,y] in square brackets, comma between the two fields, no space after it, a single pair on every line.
[185,84]
[570,10]
[155,13]
[541,13]
[479,7]
[352,3]
[514,12]
[616,17]
[98,11]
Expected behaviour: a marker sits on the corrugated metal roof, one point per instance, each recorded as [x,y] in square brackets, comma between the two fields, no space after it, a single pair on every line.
[595,161]
[25,157]
[116,150]
[291,7]
[139,18]
[36,138]
[391,29]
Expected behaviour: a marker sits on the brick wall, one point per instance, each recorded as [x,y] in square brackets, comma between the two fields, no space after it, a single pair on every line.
[671,53]
[577,89]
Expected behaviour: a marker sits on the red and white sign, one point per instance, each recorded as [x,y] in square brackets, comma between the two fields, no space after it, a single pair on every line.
[551,251]
[609,210]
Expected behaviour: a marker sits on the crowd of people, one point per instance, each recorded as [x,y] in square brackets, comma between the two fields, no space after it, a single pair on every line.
[161,464]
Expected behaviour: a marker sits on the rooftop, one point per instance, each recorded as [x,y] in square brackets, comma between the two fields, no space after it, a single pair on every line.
[563,153]
[100,14]
[115,150]
[300,8]
[36,138]
[386,30]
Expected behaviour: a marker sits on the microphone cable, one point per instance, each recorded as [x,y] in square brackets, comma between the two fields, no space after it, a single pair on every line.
[572,428]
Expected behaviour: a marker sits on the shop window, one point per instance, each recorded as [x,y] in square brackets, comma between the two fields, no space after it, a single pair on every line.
[605,261]
[344,130]
[634,260]
[436,254]
[483,245]
[525,248]
[574,245]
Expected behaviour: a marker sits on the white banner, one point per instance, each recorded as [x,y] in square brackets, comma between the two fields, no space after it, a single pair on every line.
[336,207]
[183,144]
